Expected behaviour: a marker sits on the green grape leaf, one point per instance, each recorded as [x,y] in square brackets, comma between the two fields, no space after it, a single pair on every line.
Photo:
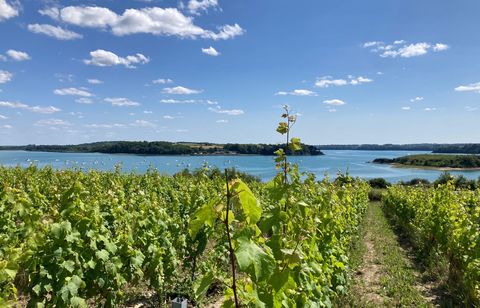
[253,260]
[203,216]
[282,127]
[78,302]
[202,287]
[244,197]
[295,144]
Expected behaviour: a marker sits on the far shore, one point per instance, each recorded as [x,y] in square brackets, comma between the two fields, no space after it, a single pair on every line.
[397,165]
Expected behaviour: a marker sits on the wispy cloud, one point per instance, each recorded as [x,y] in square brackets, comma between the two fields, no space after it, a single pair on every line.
[473,87]
[55,32]
[143,123]
[334,102]
[73,92]
[406,108]
[121,102]
[52,122]
[179,90]
[231,112]
[416,99]
[299,92]
[162,81]
[94,81]
[329,81]
[36,109]
[401,48]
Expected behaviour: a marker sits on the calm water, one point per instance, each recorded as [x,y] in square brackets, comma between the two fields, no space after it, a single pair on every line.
[355,162]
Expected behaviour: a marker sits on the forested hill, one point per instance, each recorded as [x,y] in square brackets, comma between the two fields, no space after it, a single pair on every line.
[165,148]
[467,148]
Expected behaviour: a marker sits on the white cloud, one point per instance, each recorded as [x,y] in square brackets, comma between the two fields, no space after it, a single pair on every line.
[470,109]
[210,51]
[115,125]
[231,112]
[6,126]
[334,102]
[94,81]
[222,121]
[73,92]
[430,109]
[147,112]
[400,48]
[143,123]
[440,47]
[2,117]
[121,102]
[332,110]
[162,81]
[52,122]
[53,31]
[406,108]
[299,92]
[5,76]
[103,58]
[152,20]
[36,109]
[417,99]
[84,100]
[18,55]
[181,90]
[196,6]
[7,10]
[328,81]
[473,87]
[168,117]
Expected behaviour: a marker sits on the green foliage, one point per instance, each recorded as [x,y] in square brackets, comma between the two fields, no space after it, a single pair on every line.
[443,221]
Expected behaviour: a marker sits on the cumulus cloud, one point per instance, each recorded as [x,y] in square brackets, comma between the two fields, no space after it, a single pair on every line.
[36,109]
[328,81]
[7,10]
[73,92]
[334,102]
[299,92]
[104,58]
[401,48]
[152,20]
[406,108]
[181,91]
[210,51]
[231,112]
[5,76]
[121,102]
[162,81]
[473,87]
[94,81]
[197,6]
[52,122]
[18,55]
[55,32]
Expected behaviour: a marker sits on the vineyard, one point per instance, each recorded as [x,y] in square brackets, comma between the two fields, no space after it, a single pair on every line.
[444,226]
[73,238]
[70,238]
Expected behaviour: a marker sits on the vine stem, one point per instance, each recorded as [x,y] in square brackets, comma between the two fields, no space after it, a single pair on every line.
[230,247]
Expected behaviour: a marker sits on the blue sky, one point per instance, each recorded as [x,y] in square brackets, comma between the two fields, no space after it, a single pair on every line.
[398,71]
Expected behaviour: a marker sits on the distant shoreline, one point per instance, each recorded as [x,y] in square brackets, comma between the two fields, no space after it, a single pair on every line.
[397,165]
[442,162]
